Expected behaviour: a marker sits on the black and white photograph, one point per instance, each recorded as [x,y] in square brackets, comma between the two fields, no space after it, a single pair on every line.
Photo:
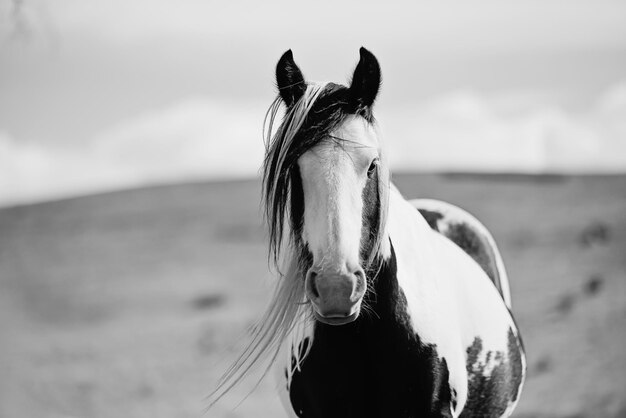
[331,209]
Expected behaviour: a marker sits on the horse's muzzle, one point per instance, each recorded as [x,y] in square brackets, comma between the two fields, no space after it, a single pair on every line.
[336,297]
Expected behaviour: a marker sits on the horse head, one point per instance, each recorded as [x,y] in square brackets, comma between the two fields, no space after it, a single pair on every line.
[326,186]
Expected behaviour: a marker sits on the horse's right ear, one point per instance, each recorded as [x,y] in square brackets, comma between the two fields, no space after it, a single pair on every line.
[289,79]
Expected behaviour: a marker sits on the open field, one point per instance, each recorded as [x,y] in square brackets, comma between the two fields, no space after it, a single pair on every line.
[130,304]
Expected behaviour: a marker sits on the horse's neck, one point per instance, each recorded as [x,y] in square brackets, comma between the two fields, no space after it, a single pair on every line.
[378,362]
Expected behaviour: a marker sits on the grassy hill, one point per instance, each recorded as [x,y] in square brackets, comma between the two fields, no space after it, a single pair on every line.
[130,304]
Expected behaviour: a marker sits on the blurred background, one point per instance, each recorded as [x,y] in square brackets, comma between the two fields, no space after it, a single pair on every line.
[132,254]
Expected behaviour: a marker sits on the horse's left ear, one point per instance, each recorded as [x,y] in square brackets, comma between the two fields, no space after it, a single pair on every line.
[366,80]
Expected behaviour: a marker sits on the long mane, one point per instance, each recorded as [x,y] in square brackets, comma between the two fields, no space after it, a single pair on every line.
[288,317]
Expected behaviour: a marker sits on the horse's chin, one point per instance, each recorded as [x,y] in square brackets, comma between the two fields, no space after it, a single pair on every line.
[336,320]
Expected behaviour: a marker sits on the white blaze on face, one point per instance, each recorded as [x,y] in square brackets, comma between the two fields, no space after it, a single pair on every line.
[334,174]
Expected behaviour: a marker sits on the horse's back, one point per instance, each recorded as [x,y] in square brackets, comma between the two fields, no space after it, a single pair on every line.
[470,235]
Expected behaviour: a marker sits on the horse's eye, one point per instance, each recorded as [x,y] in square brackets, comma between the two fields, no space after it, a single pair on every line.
[372,168]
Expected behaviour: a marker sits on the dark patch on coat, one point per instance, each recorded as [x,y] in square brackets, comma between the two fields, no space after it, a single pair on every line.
[516,366]
[491,392]
[432,217]
[371,215]
[472,242]
[476,246]
[375,367]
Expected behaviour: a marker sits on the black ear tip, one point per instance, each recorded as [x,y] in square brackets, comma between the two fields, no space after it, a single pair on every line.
[287,56]
[369,60]
[365,53]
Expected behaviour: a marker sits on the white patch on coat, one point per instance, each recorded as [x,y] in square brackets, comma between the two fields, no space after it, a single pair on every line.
[334,174]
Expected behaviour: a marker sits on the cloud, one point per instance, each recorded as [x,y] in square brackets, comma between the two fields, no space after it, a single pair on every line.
[519,133]
[195,139]
[205,139]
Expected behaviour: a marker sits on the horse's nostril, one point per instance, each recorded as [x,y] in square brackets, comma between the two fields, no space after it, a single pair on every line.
[361,282]
[311,283]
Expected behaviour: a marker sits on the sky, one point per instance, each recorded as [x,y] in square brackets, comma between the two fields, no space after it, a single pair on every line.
[104,95]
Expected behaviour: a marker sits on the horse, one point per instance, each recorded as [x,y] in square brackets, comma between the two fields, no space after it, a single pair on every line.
[384,307]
